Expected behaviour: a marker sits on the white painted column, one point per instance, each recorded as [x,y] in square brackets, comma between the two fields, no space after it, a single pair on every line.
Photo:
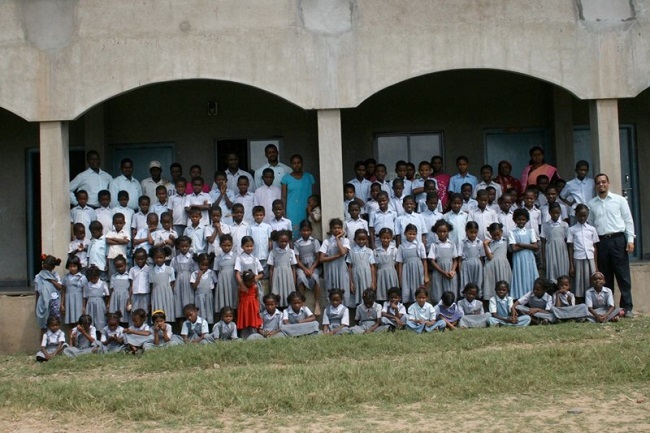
[563,129]
[605,141]
[330,160]
[55,181]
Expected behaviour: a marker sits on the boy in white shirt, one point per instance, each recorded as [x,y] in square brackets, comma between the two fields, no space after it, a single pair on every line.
[117,240]
[104,212]
[82,213]
[139,220]
[162,205]
[177,206]
[267,193]
[198,200]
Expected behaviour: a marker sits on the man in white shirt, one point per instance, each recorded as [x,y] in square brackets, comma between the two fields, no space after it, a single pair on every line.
[92,180]
[126,182]
[279,169]
[610,214]
[233,172]
[150,184]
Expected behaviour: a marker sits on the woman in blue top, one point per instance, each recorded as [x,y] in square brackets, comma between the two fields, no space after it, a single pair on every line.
[296,189]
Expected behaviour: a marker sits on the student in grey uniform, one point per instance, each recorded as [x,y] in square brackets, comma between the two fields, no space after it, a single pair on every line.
[564,302]
[501,308]
[120,285]
[195,329]
[393,313]
[537,303]
[368,315]
[83,338]
[53,341]
[298,320]
[600,300]
[161,333]
[422,316]
[474,315]
[225,329]
[336,319]
[112,335]
[138,333]
[271,319]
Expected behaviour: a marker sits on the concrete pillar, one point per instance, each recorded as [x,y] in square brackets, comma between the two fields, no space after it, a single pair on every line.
[330,160]
[605,141]
[563,129]
[55,199]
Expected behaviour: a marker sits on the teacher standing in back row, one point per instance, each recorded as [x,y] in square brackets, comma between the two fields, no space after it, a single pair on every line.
[610,214]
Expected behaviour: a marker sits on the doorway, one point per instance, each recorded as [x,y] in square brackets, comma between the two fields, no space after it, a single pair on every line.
[514,146]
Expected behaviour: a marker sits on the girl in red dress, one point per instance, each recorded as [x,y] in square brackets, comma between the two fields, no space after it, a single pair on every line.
[248,313]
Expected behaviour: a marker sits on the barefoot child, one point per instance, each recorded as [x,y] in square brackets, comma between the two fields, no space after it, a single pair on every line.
[53,341]
[248,313]
[307,273]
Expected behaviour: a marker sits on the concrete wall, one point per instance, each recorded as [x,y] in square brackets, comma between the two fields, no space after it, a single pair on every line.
[64,56]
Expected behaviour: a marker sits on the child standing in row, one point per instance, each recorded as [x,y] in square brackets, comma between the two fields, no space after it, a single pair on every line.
[524,243]
[361,266]
[74,284]
[444,260]
[583,256]
[224,265]
[411,264]
[332,255]
[119,286]
[555,257]
[307,272]
[48,289]
[202,282]
[96,297]
[162,279]
[497,268]
[282,267]
[248,317]
[183,264]
[385,260]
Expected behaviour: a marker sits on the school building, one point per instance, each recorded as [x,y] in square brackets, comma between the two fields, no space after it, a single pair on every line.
[333,80]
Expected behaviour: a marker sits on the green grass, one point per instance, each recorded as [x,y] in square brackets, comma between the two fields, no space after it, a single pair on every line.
[319,375]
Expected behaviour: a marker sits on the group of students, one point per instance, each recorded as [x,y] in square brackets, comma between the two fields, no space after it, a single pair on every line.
[401,236]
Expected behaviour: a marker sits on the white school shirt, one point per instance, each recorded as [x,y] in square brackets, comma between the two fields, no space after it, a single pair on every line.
[233,178]
[143,234]
[98,285]
[406,245]
[567,299]
[215,247]
[551,223]
[430,218]
[508,300]
[401,309]
[511,237]
[197,234]
[578,191]
[162,269]
[105,217]
[411,218]
[434,248]
[118,276]
[361,188]
[541,200]
[159,209]
[265,196]
[592,297]
[292,255]
[359,249]
[247,201]
[280,224]
[187,325]
[546,215]
[149,186]
[583,237]
[132,186]
[345,319]
[457,220]
[346,213]
[107,332]
[246,261]
[379,220]
[385,186]
[535,220]
[177,205]
[395,203]
[92,182]
[140,279]
[238,231]
[261,233]
[144,327]
[419,183]
[505,219]
[422,206]
[97,253]
[52,338]
[351,226]
[279,171]
[483,218]
[469,205]
[162,235]
[83,215]
[477,242]
[303,313]
[370,207]
[226,213]
[483,185]
[139,221]
[183,259]
[331,240]
[198,199]
[207,275]
[76,334]
[524,300]
[426,312]
[73,248]
[128,216]
[116,250]
[375,311]
[391,251]
[268,318]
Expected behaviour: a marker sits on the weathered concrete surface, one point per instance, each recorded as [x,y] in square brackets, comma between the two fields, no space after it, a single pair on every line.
[19,332]
[316,54]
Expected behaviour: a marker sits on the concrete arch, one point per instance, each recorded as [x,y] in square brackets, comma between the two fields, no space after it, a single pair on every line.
[541,77]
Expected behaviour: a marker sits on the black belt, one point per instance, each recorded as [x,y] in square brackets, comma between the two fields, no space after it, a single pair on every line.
[612,235]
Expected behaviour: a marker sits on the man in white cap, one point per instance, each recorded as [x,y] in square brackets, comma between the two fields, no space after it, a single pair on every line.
[149,184]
